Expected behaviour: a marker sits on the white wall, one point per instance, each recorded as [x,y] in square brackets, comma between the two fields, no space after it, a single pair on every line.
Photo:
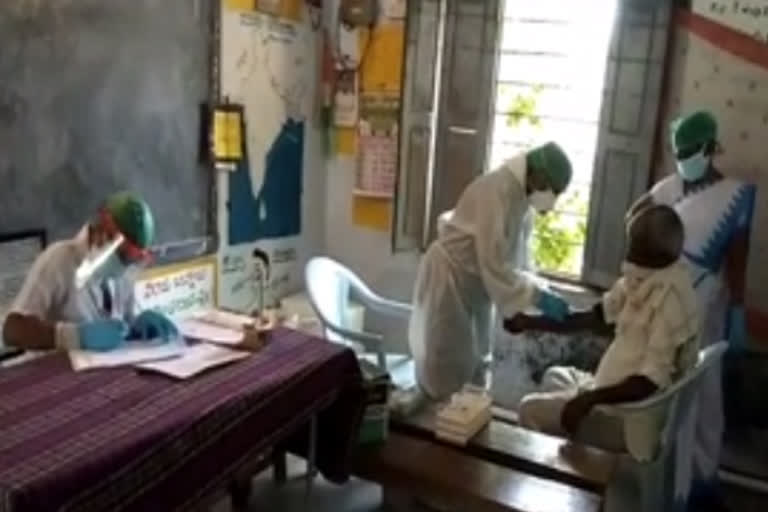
[368,252]
[244,62]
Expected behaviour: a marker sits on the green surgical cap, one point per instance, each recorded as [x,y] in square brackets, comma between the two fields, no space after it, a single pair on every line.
[133,218]
[693,130]
[554,163]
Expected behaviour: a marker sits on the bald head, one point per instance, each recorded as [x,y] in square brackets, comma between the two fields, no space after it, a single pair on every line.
[656,236]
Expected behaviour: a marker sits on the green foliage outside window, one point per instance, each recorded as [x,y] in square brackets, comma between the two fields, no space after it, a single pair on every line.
[558,238]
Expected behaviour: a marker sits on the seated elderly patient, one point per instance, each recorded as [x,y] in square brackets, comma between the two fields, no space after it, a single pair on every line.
[653,311]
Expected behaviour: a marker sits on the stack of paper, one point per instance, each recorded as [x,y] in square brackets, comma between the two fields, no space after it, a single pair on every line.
[132,352]
[195,360]
[464,416]
[223,327]
[196,329]
[225,319]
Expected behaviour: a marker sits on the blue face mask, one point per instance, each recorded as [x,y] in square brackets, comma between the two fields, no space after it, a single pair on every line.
[693,168]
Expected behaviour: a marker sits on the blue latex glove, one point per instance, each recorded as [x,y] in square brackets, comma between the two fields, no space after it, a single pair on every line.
[552,306]
[102,335]
[737,328]
[150,325]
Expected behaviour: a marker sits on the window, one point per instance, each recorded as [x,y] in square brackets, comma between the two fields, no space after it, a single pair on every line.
[512,74]
[550,87]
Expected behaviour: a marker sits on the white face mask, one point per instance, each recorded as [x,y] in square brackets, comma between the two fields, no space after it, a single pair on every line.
[693,168]
[542,200]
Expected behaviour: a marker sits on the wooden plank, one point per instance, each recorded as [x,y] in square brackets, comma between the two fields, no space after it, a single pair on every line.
[505,415]
[531,452]
[436,473]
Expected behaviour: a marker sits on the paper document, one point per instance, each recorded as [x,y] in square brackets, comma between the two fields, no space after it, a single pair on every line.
[204,331]
[196,359]
[224,319]
[132,352]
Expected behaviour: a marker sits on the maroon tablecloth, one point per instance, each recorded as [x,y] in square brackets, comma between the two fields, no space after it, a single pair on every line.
[116,439]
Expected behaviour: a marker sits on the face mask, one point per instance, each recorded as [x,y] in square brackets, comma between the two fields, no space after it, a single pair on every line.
[693,168]
[542,200]
[113,268]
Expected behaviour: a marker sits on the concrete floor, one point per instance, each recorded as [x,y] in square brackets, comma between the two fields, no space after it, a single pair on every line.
[355,496]
[361,496]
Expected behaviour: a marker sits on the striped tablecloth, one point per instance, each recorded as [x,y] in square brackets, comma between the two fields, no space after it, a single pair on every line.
[117,439]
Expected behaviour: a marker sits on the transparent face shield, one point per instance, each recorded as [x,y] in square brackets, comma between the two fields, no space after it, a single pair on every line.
[119,251]
[95,260]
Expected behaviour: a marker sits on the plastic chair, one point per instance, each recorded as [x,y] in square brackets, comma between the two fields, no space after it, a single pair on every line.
[653,473]
[330,286]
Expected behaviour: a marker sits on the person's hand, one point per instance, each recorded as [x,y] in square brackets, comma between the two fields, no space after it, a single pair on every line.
[552,306]
[517,324]
[152,325]
[575,411]
[102,335]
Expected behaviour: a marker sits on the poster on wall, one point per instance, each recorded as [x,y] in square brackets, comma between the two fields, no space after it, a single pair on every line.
[750,17]
[393,9]
[258,275]
[178,290]
[268,67]
[378,145]
[345,102]
[291,9]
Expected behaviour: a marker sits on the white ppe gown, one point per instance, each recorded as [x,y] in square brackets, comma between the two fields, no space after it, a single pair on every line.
[476,263]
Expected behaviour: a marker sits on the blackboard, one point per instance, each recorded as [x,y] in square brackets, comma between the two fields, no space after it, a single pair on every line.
[98,96]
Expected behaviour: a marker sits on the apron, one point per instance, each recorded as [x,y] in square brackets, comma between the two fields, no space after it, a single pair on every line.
[449,304]
[450,331]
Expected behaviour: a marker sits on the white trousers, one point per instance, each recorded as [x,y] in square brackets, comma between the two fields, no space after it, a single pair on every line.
[542,411]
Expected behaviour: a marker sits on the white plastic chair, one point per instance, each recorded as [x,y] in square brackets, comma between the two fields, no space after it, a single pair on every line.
[330,286]
[653,475]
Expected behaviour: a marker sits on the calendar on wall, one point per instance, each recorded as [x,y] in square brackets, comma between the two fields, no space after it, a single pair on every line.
[378,145]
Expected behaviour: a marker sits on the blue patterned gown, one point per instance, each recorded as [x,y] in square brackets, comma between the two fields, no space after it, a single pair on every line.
[712,213]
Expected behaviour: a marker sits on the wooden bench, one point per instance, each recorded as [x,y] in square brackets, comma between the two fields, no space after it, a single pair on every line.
[457,482]
[527,451]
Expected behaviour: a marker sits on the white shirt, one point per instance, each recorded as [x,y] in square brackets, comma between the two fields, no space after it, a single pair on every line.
[655,312]
[49,291]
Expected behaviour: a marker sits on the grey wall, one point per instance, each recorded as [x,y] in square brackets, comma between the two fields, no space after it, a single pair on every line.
[98,96]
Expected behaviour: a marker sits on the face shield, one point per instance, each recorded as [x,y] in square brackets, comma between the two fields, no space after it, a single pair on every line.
[113,257]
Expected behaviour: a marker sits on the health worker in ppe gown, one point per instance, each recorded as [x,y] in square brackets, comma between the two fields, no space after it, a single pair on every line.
[80,292]
[716,212]
[472,266]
